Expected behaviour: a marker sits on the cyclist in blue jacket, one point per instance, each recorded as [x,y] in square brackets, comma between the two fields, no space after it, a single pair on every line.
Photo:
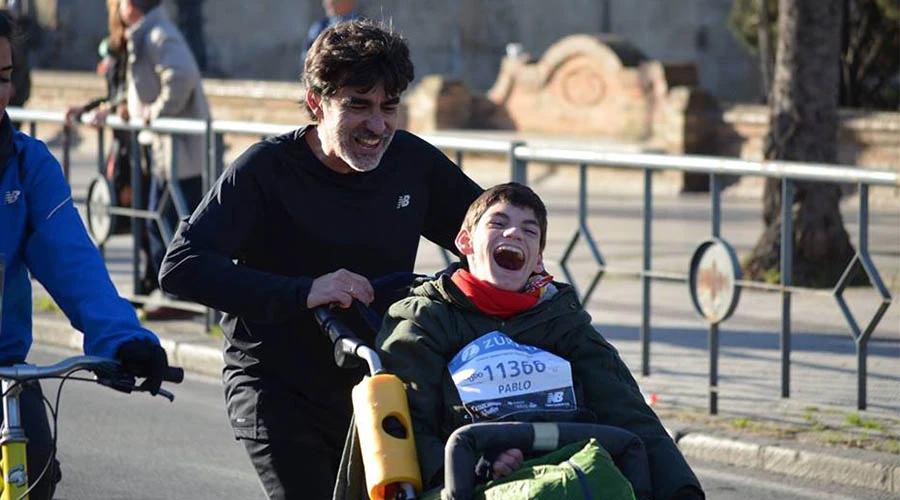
[42,233]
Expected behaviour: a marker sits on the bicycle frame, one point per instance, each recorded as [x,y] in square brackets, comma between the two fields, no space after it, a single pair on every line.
[14,480]
[108,372]
[14,477]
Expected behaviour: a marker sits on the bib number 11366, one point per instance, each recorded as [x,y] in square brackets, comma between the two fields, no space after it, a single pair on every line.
[496,376]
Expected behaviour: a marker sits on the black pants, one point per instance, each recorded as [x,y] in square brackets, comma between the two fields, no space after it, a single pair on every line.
[297,468]
[40,443]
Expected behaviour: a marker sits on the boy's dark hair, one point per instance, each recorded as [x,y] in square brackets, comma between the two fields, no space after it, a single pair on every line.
[357,53]
[513,193]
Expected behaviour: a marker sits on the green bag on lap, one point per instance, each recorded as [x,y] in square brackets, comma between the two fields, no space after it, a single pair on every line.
[578,471]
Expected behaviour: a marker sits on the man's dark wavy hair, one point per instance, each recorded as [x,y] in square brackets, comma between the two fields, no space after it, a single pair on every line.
[359,53]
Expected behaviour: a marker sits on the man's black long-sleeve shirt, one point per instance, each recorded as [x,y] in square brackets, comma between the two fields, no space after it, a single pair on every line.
[277,219]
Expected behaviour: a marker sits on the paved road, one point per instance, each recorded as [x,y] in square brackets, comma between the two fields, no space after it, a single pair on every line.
[137,447]
[727,483]
[115,446]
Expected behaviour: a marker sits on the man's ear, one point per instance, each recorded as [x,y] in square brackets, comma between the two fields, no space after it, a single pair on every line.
[314,101]
[464,242]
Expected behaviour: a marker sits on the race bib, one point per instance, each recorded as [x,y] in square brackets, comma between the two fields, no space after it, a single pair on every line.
[496,377]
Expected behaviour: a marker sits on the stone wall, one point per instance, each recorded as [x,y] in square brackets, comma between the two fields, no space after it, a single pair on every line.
[465,39]
[866,138]
[583,85]
[689,122]
[238,100]
[604,89]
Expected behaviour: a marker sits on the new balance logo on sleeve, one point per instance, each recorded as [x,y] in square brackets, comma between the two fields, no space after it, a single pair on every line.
[403,201]
[13,196]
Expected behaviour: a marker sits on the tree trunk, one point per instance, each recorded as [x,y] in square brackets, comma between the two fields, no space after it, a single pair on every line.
[766,52]
[803,127]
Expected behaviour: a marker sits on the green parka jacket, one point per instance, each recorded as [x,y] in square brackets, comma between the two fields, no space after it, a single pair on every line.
[423,332]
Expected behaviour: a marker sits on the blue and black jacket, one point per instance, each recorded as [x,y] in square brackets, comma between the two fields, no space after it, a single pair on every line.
[42,233]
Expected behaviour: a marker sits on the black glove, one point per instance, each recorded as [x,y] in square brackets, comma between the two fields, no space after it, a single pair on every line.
[143,358]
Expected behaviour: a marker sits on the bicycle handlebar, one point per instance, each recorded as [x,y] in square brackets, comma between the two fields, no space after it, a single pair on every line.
[109,373]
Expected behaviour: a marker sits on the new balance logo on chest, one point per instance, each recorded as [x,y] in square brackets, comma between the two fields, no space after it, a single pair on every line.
[11,197]
[402,201]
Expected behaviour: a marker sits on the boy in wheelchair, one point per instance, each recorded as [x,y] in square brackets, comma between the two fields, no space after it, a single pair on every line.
[502,341]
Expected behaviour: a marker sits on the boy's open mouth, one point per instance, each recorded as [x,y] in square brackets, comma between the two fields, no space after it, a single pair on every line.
[509,257]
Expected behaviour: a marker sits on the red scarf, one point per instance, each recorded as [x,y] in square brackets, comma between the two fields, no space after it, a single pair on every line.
[494,301]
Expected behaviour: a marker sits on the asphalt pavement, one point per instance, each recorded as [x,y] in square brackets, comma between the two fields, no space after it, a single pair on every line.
[815,433]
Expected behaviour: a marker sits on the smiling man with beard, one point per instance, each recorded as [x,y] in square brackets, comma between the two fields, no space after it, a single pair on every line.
[502,341]
[306,219]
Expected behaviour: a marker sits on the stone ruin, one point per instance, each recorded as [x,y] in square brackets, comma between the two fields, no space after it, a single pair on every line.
[587,86]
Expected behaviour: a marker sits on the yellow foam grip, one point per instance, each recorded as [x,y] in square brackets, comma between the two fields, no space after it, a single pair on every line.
[387,459]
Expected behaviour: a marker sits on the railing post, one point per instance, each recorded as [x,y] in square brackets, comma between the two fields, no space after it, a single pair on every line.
[862,244]
[787,264]
[101,148]
[137,202]
[646,267]
[517,167]
[209,164]
[862,342]
[713,337]
[715,205]
[458,159]
[66,151]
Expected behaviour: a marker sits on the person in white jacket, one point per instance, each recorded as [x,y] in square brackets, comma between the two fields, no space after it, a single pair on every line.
[163,80]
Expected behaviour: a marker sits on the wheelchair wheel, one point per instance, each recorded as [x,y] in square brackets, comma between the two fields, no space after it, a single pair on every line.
[100,197]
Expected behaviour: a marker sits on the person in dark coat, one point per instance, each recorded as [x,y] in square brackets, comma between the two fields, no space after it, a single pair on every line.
[306,219]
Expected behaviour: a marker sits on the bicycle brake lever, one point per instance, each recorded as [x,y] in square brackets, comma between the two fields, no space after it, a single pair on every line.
[127,384]
[121,383]
[166,394]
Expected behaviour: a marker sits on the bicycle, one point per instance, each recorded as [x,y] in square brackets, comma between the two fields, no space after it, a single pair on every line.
[107,372]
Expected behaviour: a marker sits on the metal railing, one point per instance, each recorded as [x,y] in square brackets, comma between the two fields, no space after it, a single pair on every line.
[519,155]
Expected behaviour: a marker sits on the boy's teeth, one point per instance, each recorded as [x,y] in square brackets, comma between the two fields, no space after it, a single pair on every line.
[504,248]
[509,257]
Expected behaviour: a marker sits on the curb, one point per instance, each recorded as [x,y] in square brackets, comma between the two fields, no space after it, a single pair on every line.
[201,357]
[795,462]
[195,357]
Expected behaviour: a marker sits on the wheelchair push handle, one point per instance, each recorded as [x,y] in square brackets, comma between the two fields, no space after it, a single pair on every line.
[333,328]
[348,348]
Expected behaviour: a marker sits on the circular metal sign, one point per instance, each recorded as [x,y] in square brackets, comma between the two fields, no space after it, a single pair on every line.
[99,199]
[714,273]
